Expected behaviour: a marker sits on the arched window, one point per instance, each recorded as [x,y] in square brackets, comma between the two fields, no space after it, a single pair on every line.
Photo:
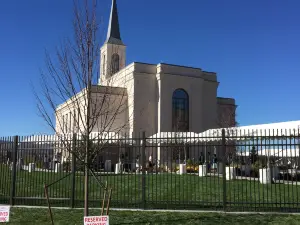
[180,111]
[115,63]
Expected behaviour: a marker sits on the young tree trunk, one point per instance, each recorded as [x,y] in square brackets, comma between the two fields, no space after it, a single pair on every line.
[70,91]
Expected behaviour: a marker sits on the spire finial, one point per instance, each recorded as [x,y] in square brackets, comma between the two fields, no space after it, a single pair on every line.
[113,33]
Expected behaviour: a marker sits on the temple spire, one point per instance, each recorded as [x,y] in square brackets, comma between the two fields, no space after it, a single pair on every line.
[113,33]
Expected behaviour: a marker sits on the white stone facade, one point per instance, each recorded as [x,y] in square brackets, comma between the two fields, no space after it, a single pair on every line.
[149,92]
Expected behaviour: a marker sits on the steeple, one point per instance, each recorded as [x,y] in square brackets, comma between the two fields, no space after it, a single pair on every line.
[113,51]
[113,33]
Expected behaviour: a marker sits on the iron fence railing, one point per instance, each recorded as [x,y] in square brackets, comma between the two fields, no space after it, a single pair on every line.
[253,171]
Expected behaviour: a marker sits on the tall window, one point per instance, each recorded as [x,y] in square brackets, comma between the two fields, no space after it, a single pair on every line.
[66,123]
[63,123]
[115,63]
[180,111]
[70,122]
[74,122]
[77,113]
[103,64]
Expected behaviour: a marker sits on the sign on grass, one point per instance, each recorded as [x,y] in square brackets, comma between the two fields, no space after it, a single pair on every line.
[96,220]
[4,213]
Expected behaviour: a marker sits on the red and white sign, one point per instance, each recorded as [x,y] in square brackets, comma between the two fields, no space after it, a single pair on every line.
[4,213]
[96,220]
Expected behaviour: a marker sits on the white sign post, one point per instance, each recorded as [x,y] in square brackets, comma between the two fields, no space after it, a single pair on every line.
[4,213]
[96,220]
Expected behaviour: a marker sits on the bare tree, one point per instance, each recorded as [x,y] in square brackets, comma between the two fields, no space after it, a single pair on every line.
[227,116]
[226,119]
[69,89]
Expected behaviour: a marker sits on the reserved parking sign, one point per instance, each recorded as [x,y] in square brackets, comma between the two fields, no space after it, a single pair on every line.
[96,220]
[4,213]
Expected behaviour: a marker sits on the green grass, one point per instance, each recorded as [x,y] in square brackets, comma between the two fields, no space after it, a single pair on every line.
[75,217]
[162,191]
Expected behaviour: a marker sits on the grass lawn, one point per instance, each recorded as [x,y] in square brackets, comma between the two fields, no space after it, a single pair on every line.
[75,217]
[162,191]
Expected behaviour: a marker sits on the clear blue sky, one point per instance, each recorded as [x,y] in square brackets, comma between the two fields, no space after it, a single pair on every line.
[253,46]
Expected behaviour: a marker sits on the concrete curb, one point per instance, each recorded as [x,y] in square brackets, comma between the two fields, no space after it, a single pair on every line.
[161,210]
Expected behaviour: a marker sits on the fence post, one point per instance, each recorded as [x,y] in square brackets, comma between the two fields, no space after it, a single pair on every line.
[14,170]
[143,170]
[73,170]
[224,169]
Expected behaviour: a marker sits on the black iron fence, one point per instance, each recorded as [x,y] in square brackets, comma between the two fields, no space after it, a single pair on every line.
[239,171]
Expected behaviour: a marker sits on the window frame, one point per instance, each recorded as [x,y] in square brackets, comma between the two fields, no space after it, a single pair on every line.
[180,110]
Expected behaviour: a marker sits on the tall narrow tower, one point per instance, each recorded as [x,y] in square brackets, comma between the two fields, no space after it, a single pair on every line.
[113,52]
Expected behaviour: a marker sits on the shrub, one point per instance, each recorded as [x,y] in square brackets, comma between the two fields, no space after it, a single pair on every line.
[67,166]
[189,162]
[256,166]
[39,164]
[28,159]
[192,169]
[31,159]
[80,166]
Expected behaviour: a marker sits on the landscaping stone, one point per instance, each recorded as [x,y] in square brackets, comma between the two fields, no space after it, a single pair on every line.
[58,167]
[265,176]
[118,168]
[220,168]
[230,173]
[182,169]
[31,167]
[202,170]
[107,166]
